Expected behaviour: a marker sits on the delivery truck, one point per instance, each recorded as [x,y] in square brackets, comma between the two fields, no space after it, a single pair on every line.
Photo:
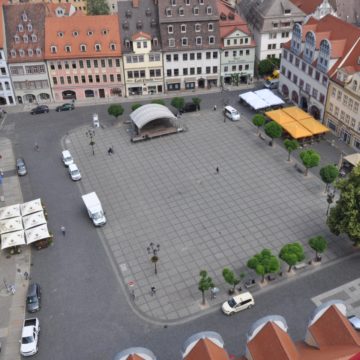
[94,209]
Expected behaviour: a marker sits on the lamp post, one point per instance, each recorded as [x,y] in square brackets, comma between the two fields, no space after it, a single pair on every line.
[91,134]
[330,200]
[153,250]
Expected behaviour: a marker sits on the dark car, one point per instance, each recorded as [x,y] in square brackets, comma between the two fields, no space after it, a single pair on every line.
[40,109]
[33,298]
[188,107]
[21,167]
[65,107]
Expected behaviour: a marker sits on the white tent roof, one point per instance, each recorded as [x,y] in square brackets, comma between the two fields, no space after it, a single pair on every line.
[31,207]
[10,211]
[9,225]
[353,159]
[34,219]
[37,233]
[149,112]
[14,238]
[253,100]
[269,97]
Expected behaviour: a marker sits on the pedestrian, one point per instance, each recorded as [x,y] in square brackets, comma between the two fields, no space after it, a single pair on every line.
[153,290]
[217,170]
[110,151]
[215,107]
[36,147]
[63,230]
[132,294]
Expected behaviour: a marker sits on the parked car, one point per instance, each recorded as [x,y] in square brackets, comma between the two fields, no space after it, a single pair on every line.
[40,109]
[237,303]
[74,172]
[33,298]
[66,158]
[231,113]
[188,107]
[271,84]
[65,107]
[21,167]
[354,321]
[30,337]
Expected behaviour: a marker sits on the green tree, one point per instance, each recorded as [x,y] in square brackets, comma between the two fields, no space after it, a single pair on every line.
[196,101]
[230,278]
[97,7]
[264,263]
[178,102]
[273,130]
[265,67]
[328,175]
[290,145]
[135,106]
[344,218]
[115,110]
[318,244]
[158,101]
[310,159]
[291,254]
[205,284]
[258,120]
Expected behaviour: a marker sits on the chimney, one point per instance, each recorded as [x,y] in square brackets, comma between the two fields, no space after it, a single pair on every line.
[135,3]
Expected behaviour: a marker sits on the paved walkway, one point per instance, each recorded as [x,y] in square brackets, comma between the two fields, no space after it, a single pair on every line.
[12,268]
[167,191]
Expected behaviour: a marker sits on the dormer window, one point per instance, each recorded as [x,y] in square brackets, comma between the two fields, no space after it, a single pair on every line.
[153,23]
[139,25]
[67,48]
[29,27]
[82,47]
[196,10]
[155,42]
[187,2]
[90,33]
[30,52]
[20,28]
[197,27]
[17,39]
[168,12]
[210,27]
[53,49]
[201,2]
[75,33]
[13,53]
[128,13]
[170,29]
[112,47]
[104,31]
[148,12]
[33,38]
[181,11]
[183,28]
[211,40]
[184,41]
[209,10]
[125,25]
[324,55]
[198,40]
[173,2]
[24,17]
[38,51]
[171,42]
[21,52]
[287,12]
[309,46]
[97,47]
[25,39]
[127,43]
[60,34]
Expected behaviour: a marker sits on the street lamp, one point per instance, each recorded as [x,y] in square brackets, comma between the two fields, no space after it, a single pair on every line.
[330,200]
[153,250]
[91,134]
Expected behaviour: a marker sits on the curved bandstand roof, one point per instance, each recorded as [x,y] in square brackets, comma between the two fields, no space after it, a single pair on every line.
[149,112]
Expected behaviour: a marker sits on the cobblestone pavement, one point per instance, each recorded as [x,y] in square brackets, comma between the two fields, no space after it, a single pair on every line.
[167,191]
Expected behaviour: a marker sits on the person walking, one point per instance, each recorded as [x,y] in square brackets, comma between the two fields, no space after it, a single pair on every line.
[63,230]
[215,107]
[36,147]
[153,290]
[110,150]
[217,170]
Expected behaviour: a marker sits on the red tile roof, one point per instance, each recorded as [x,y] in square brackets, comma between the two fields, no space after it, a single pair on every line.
[134,357]
[51,8]
[74,31]
[307,6]
[141,34]
[205,349]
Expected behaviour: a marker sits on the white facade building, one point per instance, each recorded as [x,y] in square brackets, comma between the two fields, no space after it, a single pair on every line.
[6,91]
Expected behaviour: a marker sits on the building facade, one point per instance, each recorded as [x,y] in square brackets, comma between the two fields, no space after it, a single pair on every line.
[25,27]
[190,39]
[342,113]
[237,47]
[271,24]
[141,47]
[313,56]
[315,8]
[83,57]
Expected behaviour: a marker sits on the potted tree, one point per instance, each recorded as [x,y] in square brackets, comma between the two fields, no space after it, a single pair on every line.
[231,279]
[319,245]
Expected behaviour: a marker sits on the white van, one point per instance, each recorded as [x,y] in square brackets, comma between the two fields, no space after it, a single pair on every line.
[237,303]
[67,158]
[94,208]
[231,113]
[74,172]
[271,84]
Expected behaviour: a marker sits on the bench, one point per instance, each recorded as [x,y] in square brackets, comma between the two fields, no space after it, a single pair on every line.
[250,283]
[300,266]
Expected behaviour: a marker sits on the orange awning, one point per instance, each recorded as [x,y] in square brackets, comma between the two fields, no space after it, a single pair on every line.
[279,116]
[313,126]
[296,130]
[296,113]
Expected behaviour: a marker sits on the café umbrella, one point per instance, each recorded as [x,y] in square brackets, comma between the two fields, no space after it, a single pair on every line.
[31,207]
[33,220]
[11,239]
[10,225]
[10,211]
[37,233]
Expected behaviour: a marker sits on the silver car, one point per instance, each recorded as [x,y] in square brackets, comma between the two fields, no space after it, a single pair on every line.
[21,167]
[74,172]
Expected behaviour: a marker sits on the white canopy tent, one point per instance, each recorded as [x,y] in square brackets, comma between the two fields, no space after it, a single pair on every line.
[11,239]
[10,211]
[269,97]
[31,207]
[261,99]
[353,159]
[37,233]
[33,220]
[9,225]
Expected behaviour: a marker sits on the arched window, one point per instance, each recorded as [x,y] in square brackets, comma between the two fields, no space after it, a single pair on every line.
[82,47]
[25,39]
[112,46]
[17,39]
[97,47]
[13,53]
[38,51]
[30,52]
[21,52]
[29,27]
[296,39]
[33,38]
[309,46]
[53,49]
[324,55]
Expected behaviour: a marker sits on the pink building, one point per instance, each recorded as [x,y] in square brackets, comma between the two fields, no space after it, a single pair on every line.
[83,56]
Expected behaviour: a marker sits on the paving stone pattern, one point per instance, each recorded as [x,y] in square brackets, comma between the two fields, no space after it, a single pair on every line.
[167,191]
